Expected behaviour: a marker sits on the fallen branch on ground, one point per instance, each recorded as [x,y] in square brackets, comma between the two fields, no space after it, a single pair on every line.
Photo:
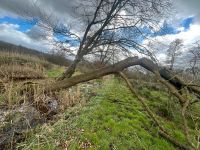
[162,131]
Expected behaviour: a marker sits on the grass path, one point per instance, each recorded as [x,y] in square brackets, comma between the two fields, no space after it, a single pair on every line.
[113,119]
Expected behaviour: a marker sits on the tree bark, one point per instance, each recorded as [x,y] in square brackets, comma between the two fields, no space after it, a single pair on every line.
[70,71]
[68,82]
[166,75]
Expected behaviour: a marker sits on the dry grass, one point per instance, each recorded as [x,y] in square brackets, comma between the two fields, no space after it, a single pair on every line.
[21,72]
[71,97]
[22,59]
[10,94]
[15,93]
[17,72]
[15,65]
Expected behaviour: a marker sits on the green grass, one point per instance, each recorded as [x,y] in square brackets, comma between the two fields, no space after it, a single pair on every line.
[55,71]
[114,118]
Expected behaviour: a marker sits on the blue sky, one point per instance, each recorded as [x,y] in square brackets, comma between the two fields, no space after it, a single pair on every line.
[24,25]
[183,24]
[14,29]
[187,22]
[166,28]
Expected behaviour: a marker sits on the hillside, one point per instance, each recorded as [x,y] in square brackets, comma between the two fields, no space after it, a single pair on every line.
[98,114]
[53,58]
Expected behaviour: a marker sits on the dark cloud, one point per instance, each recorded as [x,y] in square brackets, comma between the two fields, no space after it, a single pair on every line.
[53,12]
[38,33]
[188,8]
[64,11]
[68,10]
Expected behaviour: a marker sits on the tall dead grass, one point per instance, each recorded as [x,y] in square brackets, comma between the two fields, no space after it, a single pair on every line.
[15,65]
[33,93]
[19,58]
[18,72]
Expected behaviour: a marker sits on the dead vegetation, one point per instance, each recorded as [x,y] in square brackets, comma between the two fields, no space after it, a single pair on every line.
[25,104]
[47,97]
[18,72]
[110,30]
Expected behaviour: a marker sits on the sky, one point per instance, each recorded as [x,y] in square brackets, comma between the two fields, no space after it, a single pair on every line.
[184,24]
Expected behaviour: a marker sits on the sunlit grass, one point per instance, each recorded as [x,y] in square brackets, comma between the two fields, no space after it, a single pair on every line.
[114,118]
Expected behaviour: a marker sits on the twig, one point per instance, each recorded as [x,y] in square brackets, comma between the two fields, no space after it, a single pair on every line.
[162,131]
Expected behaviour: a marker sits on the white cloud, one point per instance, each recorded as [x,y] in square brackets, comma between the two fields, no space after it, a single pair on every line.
[189,36]
[5,26]
[10,33]
[64,11]
[161,43]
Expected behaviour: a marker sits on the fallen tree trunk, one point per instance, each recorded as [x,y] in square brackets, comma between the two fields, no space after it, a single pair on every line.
[166,77]
[131,61]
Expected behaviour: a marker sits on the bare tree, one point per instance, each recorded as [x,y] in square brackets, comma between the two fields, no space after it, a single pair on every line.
[118,23]
[173,51]
[113,26]
[194,61]
[122,24]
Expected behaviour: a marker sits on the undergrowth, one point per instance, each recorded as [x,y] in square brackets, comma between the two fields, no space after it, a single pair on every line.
[55,71]
[113,119]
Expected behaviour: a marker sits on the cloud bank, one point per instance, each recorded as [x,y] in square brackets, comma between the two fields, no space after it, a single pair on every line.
[67,12]
[187,8]
[9,33]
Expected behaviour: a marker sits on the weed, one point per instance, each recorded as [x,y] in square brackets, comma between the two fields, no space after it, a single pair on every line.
[112,119]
